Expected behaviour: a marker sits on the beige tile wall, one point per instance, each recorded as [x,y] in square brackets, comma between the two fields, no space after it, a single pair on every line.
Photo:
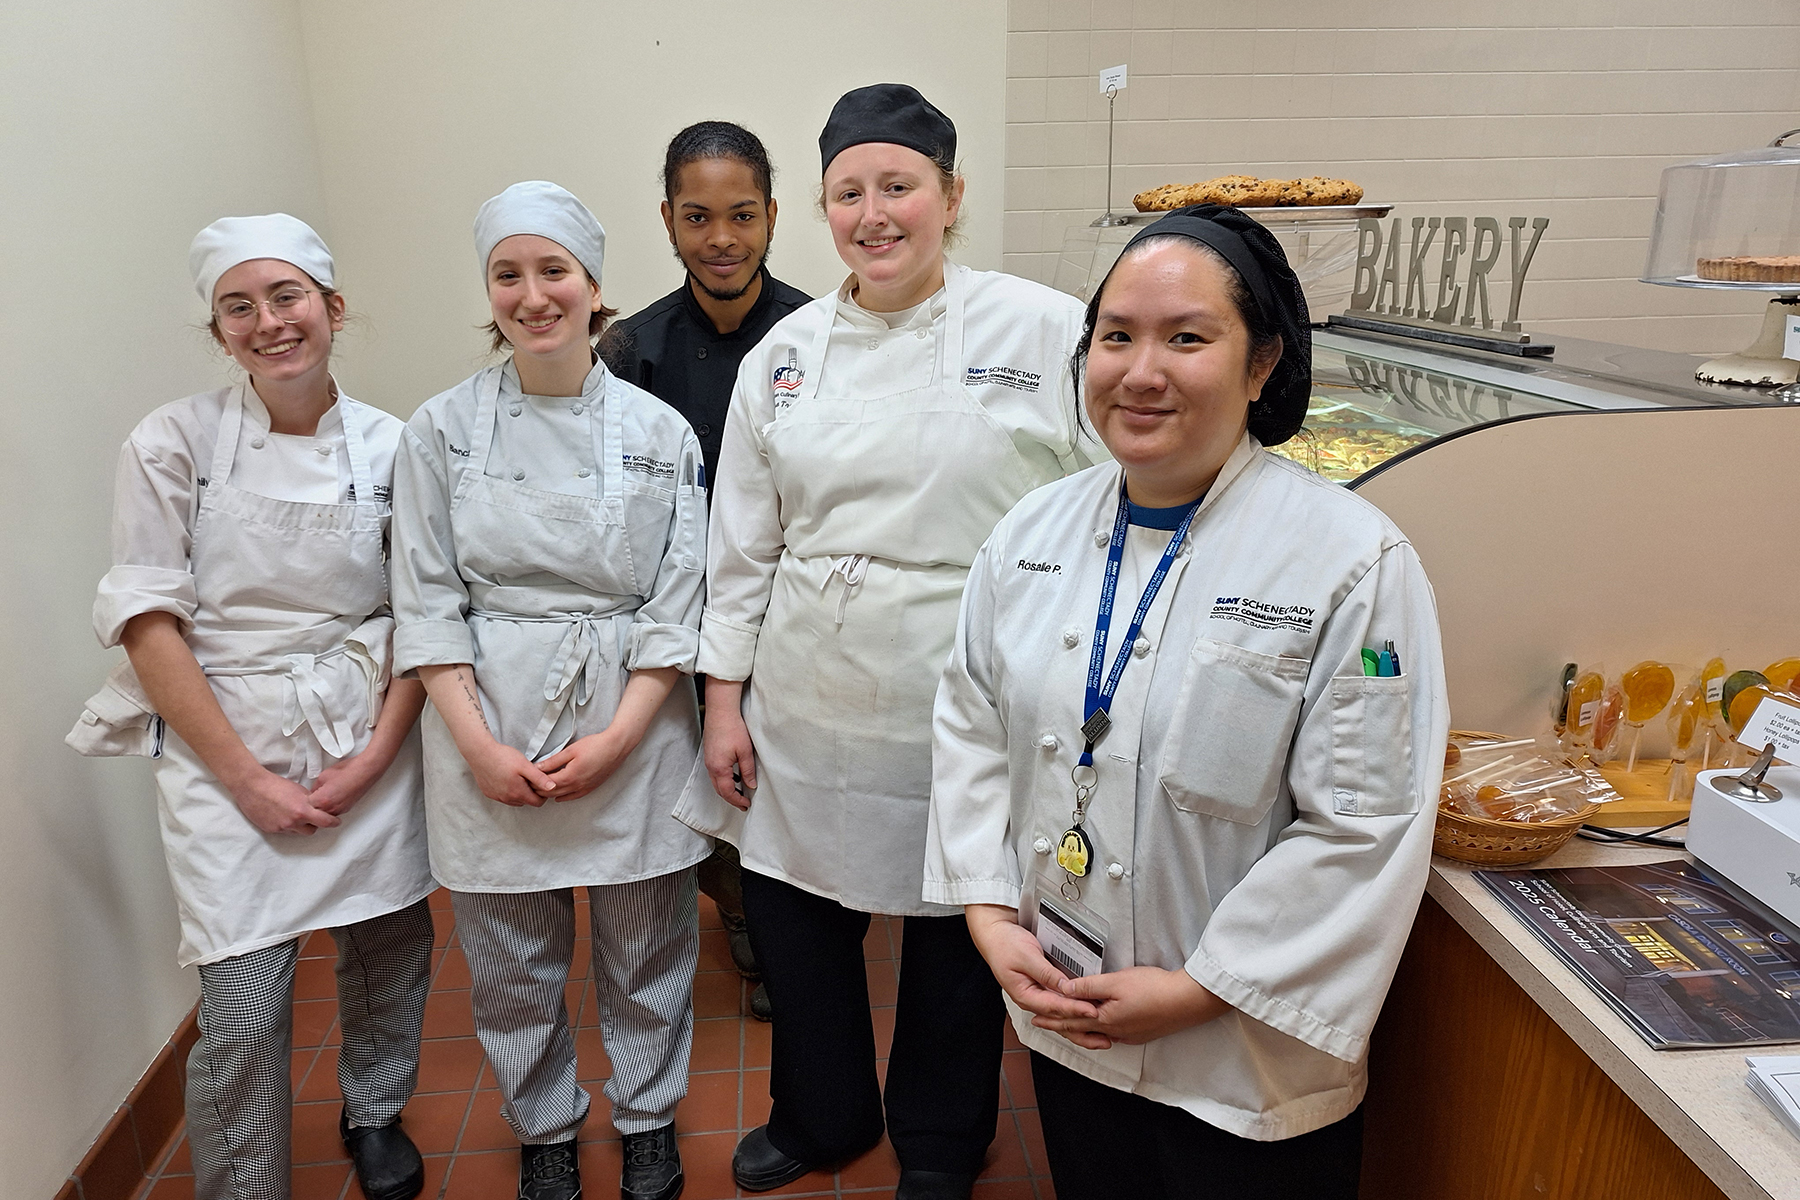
[1562,108]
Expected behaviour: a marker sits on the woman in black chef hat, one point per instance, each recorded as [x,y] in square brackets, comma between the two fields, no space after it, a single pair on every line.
[875,436]
[1189,832]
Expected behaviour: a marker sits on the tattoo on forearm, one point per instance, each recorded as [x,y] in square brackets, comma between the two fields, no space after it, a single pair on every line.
[474,700]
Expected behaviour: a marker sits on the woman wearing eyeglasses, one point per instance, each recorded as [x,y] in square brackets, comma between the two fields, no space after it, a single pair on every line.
[249,589]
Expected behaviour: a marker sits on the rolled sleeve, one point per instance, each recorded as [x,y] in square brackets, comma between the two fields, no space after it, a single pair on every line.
[665,630]
[128,591]
[1308,941]
[969,858]
[745,541]
[154,501]
[430,599]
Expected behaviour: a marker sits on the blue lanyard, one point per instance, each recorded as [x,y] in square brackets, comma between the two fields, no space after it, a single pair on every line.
[1099,696]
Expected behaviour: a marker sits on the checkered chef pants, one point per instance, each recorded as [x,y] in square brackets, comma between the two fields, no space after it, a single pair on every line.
[646,944]
[240,1098]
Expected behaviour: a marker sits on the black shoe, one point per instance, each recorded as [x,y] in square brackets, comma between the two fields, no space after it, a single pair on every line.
[549,1172]
[388,1165]
[760,1008]
[759,1167]
[742,956]
[934,1185]
[652,1166]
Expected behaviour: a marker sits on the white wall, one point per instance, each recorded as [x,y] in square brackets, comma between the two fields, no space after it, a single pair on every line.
[1561,108]
[425,110]
[128,127]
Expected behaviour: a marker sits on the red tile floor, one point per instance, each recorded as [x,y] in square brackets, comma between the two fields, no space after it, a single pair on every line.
[470,1154]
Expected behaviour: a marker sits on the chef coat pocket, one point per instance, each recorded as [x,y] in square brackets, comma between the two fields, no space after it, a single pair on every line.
[1234,720]
[118,721]
[1371,746]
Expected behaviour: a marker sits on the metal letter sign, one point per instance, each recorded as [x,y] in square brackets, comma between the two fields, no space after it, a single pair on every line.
[1415,304]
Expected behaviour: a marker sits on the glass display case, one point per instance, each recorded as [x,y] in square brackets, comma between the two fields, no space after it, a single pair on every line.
[1377,398]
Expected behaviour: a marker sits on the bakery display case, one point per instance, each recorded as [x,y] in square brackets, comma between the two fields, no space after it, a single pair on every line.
[1377,399]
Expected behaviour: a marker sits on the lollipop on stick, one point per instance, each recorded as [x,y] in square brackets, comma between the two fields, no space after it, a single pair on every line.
[1647,689]
[1583,707]
[1744,690]
[1559,702]
[1686,715]
[1607,722]
[1784,676]
[1712,686]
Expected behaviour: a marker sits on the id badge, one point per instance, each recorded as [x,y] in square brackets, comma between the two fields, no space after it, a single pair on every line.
[1072,935]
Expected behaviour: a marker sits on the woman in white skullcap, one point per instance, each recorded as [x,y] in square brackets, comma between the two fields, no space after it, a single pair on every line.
[249,588]
[550,536]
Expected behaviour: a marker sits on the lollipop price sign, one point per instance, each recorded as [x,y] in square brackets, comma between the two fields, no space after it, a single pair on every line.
[1774,721]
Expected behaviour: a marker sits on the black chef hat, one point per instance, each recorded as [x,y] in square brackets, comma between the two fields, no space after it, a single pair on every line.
[888,112]
[1258,259]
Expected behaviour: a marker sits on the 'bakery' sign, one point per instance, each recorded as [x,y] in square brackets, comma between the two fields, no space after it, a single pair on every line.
[1446,291]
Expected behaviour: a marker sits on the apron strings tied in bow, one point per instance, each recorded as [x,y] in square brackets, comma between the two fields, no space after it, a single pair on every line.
[852,567]
[572,675]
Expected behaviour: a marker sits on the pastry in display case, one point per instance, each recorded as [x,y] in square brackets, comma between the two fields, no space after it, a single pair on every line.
[1343,438]
[1733,221]
[1366,411]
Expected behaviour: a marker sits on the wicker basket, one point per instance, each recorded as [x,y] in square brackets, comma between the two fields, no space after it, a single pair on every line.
[1503,843]
[1490,843]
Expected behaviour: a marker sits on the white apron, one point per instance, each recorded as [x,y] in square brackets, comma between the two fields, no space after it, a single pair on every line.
[549,667]
[905,489]
[302,698]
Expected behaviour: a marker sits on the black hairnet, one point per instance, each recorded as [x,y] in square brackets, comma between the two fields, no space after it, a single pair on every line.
[1257,257]
[888,112]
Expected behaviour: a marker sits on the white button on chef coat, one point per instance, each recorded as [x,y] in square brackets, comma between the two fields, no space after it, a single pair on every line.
[1281,879]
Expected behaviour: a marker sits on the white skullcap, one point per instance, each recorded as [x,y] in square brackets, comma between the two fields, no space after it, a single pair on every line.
[233,240]
[545,210]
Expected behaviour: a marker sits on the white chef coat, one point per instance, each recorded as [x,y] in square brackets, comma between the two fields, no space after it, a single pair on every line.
[865,458]
[1266,807]
[273,566]
[554,543]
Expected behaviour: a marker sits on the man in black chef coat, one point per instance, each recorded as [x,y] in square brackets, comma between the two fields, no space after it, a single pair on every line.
[720,214]
[719,209]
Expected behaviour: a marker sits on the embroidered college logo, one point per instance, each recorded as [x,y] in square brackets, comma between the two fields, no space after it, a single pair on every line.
[789,376]
[1012,377]
[1261,615]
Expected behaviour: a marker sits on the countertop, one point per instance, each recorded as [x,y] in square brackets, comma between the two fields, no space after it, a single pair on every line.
[1697,1097]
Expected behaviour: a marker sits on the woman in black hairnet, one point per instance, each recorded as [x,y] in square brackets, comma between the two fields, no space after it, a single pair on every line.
[874,438]
[1188,830]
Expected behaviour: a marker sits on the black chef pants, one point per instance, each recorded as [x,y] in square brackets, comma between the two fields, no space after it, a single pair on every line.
[943,1077]
[1104,1143]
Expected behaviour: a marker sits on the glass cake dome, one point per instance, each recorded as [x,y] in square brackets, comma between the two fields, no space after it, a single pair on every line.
[1730,222]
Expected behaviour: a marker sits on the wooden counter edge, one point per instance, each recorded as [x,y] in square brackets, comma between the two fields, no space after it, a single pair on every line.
[1602,1046]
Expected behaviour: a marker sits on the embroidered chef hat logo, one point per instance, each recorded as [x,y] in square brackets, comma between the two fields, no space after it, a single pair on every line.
[788,378]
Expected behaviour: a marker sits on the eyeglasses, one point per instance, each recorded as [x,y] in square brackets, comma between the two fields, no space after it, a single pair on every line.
[239,315]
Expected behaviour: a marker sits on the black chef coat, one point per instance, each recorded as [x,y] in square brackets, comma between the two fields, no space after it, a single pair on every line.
[672,350]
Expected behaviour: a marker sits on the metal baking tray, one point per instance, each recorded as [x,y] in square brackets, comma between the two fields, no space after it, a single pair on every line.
[1295,213]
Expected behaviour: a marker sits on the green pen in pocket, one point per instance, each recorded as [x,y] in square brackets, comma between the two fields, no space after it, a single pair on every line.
[1371,662]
